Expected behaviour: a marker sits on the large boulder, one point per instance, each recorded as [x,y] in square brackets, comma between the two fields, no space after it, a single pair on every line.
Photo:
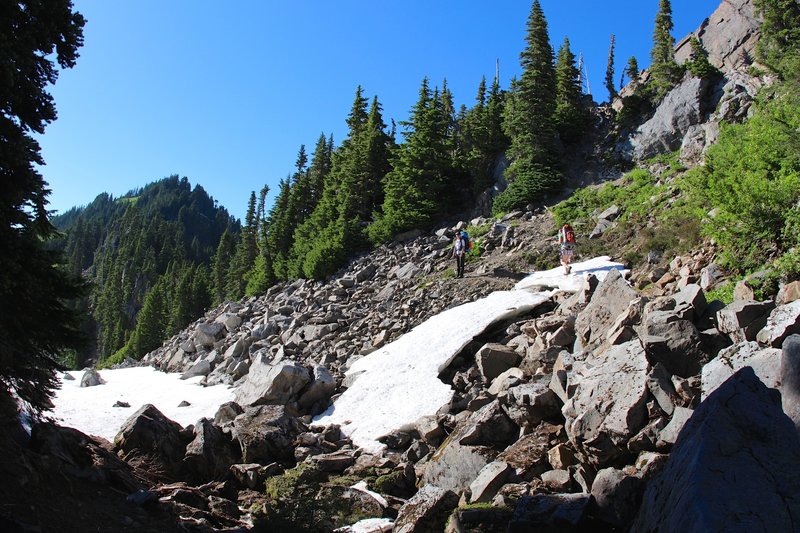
[782,322]
[426,511]
[790,378]
[564,513]
[733,467]
[91,378]
[493,359]
[271,384]
[210,454]
[611,298]
[265,434]
[764,361]
[150,435]
[676,345]
[741,320]
[608,406]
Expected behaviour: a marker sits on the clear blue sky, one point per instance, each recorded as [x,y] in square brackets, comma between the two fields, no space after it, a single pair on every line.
[225,93]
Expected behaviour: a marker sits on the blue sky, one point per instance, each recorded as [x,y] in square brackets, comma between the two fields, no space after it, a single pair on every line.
[225,93]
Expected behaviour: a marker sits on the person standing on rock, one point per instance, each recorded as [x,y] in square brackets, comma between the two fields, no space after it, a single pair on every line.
[566,238]
[459,251]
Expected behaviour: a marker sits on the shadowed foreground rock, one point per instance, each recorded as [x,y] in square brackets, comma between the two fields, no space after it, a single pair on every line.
[733,467]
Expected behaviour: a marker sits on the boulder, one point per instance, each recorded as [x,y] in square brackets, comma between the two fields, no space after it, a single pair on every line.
[149,434]
[489,480]
[529,455]
[493,359]
[662,389]
[765,362]
[210,454]
[668,435]
[557,480]
[788,293]
[743,319]
[732,468]
[681,108]
[454,466]
[564,513]
[532,402]
[91,378]
[488,426]
[616,497]
[200,368]
[206,334]
[782,322]
[427,511]
[319,390]
[790,378]
[676,345]
[612,296]
[608,406]
[265,433]
[272,384]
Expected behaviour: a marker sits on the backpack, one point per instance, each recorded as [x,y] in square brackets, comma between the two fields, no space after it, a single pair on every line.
[467,242]
[569,235]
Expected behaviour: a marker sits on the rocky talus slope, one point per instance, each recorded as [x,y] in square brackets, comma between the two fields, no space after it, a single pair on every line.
[606,408]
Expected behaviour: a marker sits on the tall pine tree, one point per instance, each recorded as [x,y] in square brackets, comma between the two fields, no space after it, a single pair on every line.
[664,71]
[570,116]
[612,92]
[528,120]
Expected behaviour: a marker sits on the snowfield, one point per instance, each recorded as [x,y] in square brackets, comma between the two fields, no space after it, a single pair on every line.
[394,387]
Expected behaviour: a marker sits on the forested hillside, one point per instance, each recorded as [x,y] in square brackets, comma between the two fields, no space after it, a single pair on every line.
[148,257]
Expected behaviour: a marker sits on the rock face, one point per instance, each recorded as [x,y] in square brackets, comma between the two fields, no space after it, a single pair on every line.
[720,476]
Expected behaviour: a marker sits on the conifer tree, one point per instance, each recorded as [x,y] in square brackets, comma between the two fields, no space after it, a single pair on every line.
[664,71]
[528,120]
[36,322]
[221,266]
[422,172]
[612,92]
[698,63]
[632,70]
[779,46]
[246,250]
[570,116]
[151,326]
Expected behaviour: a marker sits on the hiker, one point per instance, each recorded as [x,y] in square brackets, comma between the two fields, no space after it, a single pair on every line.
[459,251]
[566,238]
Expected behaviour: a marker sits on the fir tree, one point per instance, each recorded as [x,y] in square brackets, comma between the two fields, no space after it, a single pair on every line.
[570,116]
[779,46]
[612,92]
[632,70]
[221,266]
[698,63]
[36,322]
[664,71]
[528,120]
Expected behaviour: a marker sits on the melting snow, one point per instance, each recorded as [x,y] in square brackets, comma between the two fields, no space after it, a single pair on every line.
[395,386]
[90,409]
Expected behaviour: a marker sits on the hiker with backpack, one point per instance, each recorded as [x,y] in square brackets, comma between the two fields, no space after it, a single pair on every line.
[460,246]
[566,238]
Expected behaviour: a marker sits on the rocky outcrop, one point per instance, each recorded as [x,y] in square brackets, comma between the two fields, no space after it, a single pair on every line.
[719,477]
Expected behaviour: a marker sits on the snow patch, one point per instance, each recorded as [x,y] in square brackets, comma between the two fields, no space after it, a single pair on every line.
[555,277]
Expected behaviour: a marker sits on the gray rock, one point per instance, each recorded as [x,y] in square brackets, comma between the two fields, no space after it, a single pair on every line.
[557,480]
[531,403]
[493,359]
[489,480]
[273,384]
[427,511]
[148,433]
[732,469]
[210,454]
[200,368]
[680,109]
[320,389]
[265,434]
[710,276]
[764,361]
[206,334]
[609,300]
[782,322]
[693,296]
[660,386]
[668,435]
[600,427]
[616,497]
[743,319]
[676,345]
[564,513]
[790,378]
[91,378]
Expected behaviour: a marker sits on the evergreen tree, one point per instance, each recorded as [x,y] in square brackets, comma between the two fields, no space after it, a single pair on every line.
[221,265]
[528,120]
[664,71]
[698,63]
[632,70]
[422,172]
[779,46]
[570,116]
[36,323]
[244,258]
[151,326]
[612,92]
